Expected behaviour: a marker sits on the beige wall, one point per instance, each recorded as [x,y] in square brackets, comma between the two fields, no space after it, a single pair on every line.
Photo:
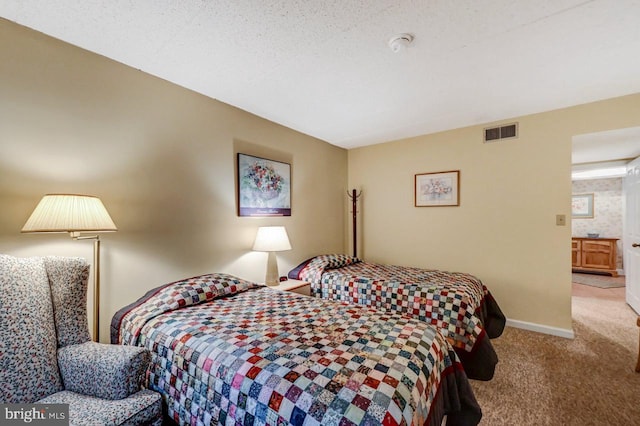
[161,158]
[504,230]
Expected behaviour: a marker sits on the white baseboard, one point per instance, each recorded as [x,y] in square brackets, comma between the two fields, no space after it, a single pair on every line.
[545,329]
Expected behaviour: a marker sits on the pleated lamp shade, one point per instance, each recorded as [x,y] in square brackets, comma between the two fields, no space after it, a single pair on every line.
[69,213]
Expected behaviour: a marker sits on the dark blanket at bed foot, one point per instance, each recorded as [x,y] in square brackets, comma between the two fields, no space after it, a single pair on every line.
[481,363]
[494,318]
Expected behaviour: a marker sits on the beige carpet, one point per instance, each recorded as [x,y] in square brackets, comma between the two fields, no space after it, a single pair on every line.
[548,380]
[602,281]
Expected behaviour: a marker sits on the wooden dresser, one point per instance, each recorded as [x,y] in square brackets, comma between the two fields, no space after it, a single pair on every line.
[594,255]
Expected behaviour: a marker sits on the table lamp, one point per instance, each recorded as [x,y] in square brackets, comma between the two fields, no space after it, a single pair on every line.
[272,239]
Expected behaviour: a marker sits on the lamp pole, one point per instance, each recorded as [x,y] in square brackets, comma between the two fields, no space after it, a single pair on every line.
[96,280]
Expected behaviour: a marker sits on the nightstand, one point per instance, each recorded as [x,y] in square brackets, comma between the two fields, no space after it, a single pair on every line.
[296,286]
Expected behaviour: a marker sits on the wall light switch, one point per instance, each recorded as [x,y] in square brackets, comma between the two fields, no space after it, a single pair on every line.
[561,220]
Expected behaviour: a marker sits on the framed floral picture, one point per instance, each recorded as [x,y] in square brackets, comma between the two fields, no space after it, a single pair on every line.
[437,189]
[264,187]
[582,206]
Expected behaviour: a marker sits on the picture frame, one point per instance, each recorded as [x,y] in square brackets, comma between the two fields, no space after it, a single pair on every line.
[437,189]
[264,187]
[582,206]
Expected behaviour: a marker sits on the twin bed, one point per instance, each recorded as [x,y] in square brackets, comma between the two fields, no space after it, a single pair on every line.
[458,304]
[228,351]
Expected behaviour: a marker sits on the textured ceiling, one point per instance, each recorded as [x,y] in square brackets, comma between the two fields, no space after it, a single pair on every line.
[324,67]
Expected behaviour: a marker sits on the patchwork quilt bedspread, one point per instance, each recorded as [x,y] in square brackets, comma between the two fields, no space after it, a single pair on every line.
[458,304]
[230,352]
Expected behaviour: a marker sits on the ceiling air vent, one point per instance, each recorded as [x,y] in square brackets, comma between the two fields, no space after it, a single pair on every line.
[507,131]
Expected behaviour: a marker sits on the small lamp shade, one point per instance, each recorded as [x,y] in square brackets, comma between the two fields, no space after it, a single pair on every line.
[69,213]
[272,238]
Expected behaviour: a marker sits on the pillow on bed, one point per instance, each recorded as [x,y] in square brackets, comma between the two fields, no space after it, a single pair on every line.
[294,274]
[176,295]
[329,261]
[333,261]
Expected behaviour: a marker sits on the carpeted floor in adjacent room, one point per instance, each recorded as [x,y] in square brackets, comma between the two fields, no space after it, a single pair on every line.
[547,380]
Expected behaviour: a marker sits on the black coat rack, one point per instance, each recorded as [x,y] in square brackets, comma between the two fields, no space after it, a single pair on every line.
[354,210]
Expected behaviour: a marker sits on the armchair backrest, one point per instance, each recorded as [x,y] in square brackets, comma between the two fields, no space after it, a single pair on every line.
[28,345]
[42,307]
[68,281]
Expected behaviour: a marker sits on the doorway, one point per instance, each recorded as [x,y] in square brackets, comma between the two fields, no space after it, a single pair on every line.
[599,167]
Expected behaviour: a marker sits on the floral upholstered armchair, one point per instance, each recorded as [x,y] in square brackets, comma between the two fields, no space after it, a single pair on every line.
[47,356]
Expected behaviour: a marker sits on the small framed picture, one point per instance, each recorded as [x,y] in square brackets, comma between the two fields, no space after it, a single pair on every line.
[264,187]
[582,206]
[437,189]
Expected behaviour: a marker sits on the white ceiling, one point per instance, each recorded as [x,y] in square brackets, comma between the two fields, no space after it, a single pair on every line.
[612,145]
[324,67]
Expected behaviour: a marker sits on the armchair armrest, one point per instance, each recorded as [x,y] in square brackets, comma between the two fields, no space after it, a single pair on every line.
[101,370]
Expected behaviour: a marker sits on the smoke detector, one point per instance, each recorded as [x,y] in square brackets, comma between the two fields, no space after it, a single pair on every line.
[400,42]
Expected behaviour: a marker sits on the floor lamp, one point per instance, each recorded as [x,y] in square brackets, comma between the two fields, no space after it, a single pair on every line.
[75,214]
